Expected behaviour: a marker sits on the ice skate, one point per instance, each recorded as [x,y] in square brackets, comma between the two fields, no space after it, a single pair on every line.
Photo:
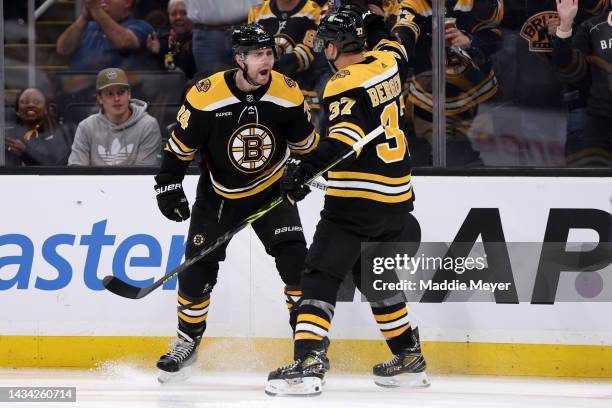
[175,365]
[406,368]
[303,377]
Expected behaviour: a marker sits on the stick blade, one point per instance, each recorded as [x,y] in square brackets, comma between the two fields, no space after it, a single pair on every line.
[120,288]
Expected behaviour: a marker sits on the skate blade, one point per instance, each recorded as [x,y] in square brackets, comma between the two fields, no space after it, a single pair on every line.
[306,387]
[166,377]
[410,380]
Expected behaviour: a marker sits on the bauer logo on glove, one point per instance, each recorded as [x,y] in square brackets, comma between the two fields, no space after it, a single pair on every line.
[171,199]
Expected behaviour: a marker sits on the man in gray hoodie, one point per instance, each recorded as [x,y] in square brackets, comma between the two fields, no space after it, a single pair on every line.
[122,133]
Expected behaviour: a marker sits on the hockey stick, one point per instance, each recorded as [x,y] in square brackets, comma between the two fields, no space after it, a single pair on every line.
[319,185]
[126,290]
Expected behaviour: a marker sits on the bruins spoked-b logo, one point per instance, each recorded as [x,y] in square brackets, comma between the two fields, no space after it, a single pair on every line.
[284,44]
[203,85]
[250,147]
[198,240]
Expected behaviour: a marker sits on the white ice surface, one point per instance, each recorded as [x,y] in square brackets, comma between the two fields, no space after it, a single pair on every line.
[126,387]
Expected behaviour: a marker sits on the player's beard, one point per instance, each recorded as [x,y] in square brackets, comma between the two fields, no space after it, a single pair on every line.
[259,79]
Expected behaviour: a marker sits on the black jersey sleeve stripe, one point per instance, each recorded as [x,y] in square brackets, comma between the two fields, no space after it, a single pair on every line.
[176,147]
[306,145]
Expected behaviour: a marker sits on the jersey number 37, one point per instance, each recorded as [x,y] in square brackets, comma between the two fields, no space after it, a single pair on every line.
[394,148]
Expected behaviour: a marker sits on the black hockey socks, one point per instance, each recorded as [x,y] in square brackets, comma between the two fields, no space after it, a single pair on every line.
[293,297]
[394,324]
[316,311]
[289,257]
[192,313]
[313,323]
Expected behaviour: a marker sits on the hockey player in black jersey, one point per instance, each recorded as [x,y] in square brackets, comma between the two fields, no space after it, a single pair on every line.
[369,199]
[589,52]
[244,123]
[294,25]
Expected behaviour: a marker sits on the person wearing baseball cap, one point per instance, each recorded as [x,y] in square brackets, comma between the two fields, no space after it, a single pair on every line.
[122,133]
[111,76]
[114,94]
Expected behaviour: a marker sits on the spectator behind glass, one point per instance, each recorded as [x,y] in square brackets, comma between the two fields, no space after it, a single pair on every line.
[588,51]
[212,31]
[122,133]
[158,20]
[37,139]
[106,35]
[174,49]
[471,36]
[294,25]
[528,75]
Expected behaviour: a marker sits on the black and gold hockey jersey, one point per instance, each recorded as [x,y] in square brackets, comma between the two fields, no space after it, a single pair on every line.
[294,33]
[356,100]
[535,79]
[391,8]
[530,17]
[590,50]
[466,86]
[244,138]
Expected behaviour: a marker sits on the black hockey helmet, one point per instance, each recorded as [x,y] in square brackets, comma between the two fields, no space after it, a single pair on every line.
[344,28]
[248,37]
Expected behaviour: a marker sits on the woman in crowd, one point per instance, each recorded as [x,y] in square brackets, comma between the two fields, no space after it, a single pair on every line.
[37,139]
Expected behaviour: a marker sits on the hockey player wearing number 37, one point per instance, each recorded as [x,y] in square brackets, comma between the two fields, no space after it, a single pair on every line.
[245,122]
[368,198]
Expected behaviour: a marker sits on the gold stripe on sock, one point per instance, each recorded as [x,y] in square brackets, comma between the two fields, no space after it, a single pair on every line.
[190,319]
[307,336]
[394,333]
[182,300]
[391,316]
[201,305]
[310,318]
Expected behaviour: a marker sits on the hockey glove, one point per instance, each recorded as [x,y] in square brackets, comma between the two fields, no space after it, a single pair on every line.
[292,185]
[373,23]
[171,199]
